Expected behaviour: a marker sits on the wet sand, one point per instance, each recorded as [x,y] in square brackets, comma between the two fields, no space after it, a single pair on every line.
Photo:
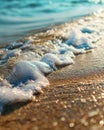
[73,101]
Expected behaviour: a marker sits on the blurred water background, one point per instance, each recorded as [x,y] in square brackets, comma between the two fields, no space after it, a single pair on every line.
[18,18]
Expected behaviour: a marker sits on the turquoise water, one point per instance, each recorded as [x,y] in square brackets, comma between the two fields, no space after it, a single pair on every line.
[19,17]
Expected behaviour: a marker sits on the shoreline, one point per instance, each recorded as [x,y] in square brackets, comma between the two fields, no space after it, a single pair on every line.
[74,99]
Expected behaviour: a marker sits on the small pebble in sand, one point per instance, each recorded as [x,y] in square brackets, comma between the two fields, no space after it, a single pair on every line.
[33,119]
[93,120]
[83,100]
[71,124]
[94,98]
[62,118]
[101,122]
[93,113]
[102,95]
[57,101]
[65,106]
[55,123]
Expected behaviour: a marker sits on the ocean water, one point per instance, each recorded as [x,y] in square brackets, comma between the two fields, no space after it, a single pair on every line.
[20,17]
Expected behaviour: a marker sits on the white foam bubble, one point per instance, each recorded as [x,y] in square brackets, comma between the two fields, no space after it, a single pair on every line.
[78,40]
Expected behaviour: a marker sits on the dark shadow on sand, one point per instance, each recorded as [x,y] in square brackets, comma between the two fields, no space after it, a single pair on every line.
[12,107]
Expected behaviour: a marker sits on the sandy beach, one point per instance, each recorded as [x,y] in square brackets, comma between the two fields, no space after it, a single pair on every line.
[74,99]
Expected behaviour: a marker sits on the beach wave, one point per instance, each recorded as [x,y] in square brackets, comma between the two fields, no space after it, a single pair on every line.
[30,63]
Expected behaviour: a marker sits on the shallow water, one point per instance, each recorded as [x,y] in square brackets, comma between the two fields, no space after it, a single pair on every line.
[19,18]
